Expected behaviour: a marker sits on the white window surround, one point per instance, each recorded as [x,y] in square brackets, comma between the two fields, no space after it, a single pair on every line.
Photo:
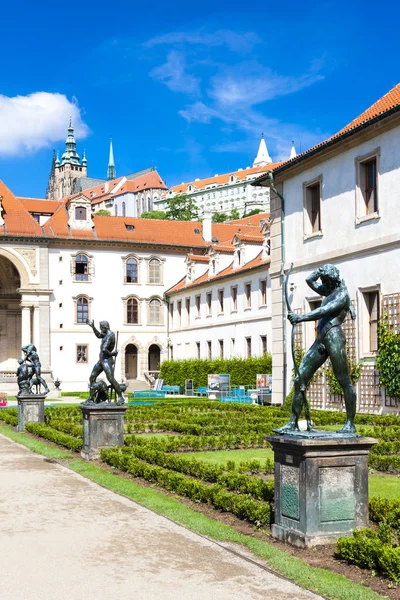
[139,305]
[161,261]
[360,208]
[307,225]
[363,315]
[139,266]
[90,267]
[151,313]
[89,304]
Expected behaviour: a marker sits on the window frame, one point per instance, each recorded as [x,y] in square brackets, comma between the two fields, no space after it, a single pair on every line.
[234,298]
[361,210]
[367,350]
[126,310]
[149,261]
[197,302]
[89,267]
[247,297]
[161,312]
[308,228]
[263,292]
[76,302]
[81,362]
[221,298]
[209,303]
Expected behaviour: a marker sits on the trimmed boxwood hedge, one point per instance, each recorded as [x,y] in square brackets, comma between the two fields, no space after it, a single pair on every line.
[243,371]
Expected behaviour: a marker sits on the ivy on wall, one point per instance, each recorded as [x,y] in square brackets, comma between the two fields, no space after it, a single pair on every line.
[388,357]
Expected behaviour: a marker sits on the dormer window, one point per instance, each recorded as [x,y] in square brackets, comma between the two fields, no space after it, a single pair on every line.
[80,213]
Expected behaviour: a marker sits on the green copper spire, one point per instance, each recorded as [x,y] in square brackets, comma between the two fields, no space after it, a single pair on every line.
[111,173]
[70,155]
[84,159]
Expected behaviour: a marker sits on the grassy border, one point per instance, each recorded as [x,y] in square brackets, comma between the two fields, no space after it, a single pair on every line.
[321,581]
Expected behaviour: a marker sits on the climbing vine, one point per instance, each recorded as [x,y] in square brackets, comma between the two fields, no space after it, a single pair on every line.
[388,357]
[334,385]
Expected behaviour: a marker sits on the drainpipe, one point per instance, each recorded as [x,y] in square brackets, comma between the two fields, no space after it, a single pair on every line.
[270,180]
[167,304]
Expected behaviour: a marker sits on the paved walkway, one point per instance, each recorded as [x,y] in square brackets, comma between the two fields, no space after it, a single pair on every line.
[63,537]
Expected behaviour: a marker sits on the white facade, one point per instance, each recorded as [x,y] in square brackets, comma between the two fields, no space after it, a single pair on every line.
[362,239]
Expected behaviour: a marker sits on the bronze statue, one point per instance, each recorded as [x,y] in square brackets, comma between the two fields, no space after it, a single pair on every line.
[30,372]
[105,364]
[329,343]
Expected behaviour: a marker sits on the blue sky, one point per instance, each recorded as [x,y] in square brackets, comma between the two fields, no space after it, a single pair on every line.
[186,87]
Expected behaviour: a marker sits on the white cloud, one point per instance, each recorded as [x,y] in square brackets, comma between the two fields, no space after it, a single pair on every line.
[237,42]
[35,121]
[174,75]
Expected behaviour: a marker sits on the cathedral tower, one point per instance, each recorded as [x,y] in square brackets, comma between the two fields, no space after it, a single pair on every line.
[64,174]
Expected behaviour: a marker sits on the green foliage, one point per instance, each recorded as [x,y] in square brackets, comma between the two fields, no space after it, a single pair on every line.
[255,211]
[334,385]
[235,214]
[219,217]
[9,416]
[103,212]
[62,439]
[181,208]
[153,214]
[388,358]
[242,371]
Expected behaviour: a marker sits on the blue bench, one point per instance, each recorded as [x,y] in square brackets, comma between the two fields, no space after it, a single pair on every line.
[172,389]
[202,391]
[148,394]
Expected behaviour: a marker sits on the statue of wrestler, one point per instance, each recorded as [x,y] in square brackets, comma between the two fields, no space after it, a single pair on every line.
[32,358]
[329,343]
[106,360]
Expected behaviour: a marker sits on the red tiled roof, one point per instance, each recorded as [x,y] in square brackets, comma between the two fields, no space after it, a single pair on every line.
[220,179]
[121,185]
[251,239]
[252,220]
[34,205]
[388,102]
[17,219]
[205,278]
[198,257]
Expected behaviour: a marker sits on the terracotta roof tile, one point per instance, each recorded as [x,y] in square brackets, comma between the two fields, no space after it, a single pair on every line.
[251,239]
[17,219]
[198,257]
[205,278]
[252,220]
[34,205]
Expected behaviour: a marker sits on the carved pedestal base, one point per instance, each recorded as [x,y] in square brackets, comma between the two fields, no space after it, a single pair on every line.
[30,409]
[103,426]
[321,488]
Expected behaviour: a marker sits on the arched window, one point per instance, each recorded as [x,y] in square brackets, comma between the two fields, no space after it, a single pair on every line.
[116,210]
[154,271]
[148,203]
[81,268]
[82,309]
[155,312]
[131,275]
[124,209]
[80,213]
[132,311]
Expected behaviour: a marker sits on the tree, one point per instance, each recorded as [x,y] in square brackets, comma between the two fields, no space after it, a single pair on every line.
[103,212]
[154,214]
[181,208]
[235,214]
[255,211]
[219,217]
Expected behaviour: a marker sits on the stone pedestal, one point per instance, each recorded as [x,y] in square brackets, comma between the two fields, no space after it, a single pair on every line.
[30,409]
[103,426]
[321,487]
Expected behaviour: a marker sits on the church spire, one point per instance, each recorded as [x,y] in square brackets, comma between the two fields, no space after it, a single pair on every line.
[70,155]
[111,173]
[262,158]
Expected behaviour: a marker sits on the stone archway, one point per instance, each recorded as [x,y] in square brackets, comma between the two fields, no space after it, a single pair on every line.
[10,314]
[126,349]
[131,361]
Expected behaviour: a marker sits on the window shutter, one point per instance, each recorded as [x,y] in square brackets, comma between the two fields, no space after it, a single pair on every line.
[72,266]
[91,268]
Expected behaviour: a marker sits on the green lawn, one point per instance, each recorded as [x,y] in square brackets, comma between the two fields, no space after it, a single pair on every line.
[222,456]
[382,485]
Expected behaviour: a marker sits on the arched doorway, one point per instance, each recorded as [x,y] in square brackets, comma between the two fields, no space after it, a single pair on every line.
[10,315]
[131,361]
[154,358]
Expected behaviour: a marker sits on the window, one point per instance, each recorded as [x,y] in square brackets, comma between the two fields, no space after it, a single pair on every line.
[208,300]
[221,348]
[209,350]
[198,354]
[248,347]
[171,352]
[367,185]
[312,206]
[263,292]
[263,339]
[234,298]
[232,346]
[197,303]
[82,309]
[131,271]
[81,268]
[171,313]
[155,312]
[247,295]
[154,271]
[82,353]
[116,210]
[372,303]
[187,305]
[314,304]
[179,305]
[124,209]
[80,213]
[221,301]
[132,311]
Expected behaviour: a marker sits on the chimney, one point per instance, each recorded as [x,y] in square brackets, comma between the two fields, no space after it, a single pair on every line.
[207,225]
